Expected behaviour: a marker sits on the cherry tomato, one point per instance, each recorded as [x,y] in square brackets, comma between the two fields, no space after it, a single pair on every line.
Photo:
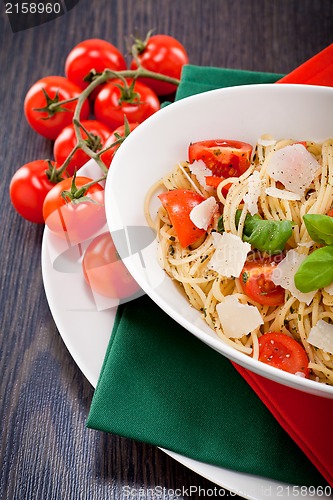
[92,54]
[283,352]
[114,102]
[214,181]
[28,189]
[66,141]
[256,281]
[223,157]
[78,220]
[161,54]
[330,212]
[107,157]
[178,204]
[50,90]
[105,272]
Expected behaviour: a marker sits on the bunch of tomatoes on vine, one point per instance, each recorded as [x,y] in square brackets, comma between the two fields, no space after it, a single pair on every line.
[88,113]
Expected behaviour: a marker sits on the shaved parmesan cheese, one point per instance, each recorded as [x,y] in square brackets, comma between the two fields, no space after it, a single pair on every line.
[294,166]
[199,169]
[237,319]
[284,273]
[253,193]
[283,194]
[321,336]
[202,214]
[230,254]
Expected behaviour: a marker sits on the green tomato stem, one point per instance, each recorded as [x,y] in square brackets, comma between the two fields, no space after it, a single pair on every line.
[83,189]
[107,74]
[64,166]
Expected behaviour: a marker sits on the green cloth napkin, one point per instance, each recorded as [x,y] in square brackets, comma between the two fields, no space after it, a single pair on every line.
[197,79]
[161,385]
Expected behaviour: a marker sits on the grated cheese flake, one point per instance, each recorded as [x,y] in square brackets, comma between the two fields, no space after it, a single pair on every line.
[199,169]
[201,215]
[321,336]
[230,254]
[238,319]
[294,166]
[284,273]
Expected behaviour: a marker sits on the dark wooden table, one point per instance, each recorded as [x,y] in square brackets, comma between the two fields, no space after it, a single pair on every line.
[46,450]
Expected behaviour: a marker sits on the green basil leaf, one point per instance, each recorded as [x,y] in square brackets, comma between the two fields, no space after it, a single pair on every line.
[220,225]
[268,236]
[320,228]
[316,271]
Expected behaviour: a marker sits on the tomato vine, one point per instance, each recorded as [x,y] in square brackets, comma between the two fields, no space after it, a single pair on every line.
[55,104]
[84,95]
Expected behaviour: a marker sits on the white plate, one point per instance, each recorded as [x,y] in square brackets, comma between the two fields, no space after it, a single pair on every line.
[85,324]
[243,113]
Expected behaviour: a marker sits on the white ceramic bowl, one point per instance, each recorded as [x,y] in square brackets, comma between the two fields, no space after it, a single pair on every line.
[244,113]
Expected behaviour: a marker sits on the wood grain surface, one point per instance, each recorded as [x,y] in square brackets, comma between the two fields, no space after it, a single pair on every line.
[46,450]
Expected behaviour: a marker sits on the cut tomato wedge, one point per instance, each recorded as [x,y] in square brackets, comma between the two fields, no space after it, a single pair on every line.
[256,282]
[179,204]
[225,158]
[214,181]
[281,351]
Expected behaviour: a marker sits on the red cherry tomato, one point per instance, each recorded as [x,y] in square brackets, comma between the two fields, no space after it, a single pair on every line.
[113,103]
[256,281]
[48,90]
[178,204]
[223,157]
[214,181]
[283,352]
[92,54]
[107,157]
[28,189]
[78,220]
[105,272]
[66,141]
[161,54]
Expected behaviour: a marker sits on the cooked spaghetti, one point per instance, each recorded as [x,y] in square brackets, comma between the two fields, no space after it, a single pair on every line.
[206,288]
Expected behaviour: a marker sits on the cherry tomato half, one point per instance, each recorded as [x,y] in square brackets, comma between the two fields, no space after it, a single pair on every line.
[93,54]
[75,221]
[28,189]
[113,103]
[178,204]
[48,90]
[161,54]
[107,157]
[66,141]
[256,282]
[283,352]
[104,270]
[224,158]
[214,181]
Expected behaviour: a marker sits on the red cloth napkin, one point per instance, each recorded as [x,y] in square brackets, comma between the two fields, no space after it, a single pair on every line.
[316,71]
[308,419]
